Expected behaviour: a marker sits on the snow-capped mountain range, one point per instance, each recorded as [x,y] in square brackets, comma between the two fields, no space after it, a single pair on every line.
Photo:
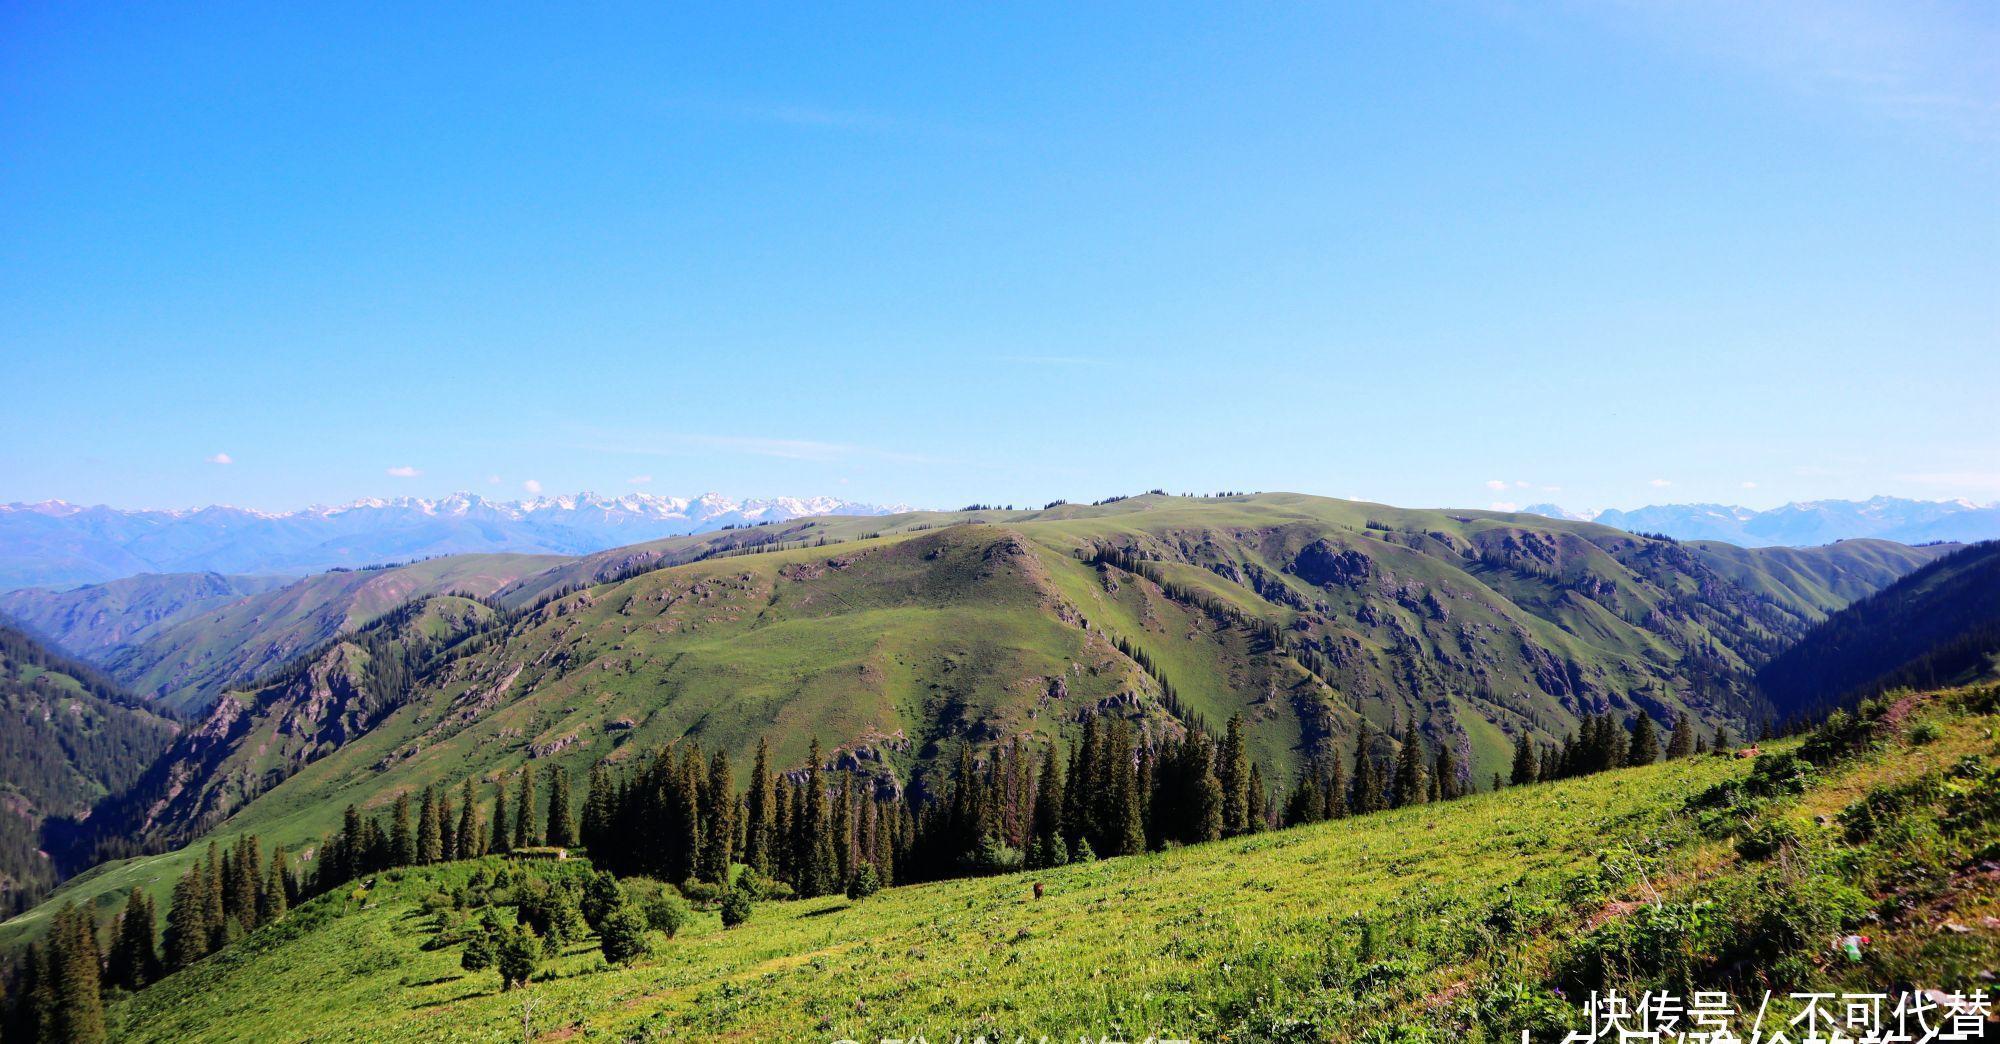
[55,544]
[1805,523]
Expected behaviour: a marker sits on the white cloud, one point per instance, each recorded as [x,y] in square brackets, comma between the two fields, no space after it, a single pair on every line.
[639,480]
[1495,484]
[221,458]
[532,486]
[1660,483]
[1748,485]
[493,480]
[1505,505]
[404,471]
[1518,484]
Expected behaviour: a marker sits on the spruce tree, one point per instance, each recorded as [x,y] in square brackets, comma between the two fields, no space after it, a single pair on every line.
[132,963]
[1526,765]
[275,897]
[525,835]
[214,919]
[1449,786]
[447,826]
[77,1016]
[501,838]
[402,841]
[1367,784]
[595,831]
[468,824]
[1681,744]
[815,832]
[1645,745]
[1410,781]
[1048,848]
[1126,828]
[1232,772]
[760,809]
[187,921]
[719,833]
[430,830]
[561,832]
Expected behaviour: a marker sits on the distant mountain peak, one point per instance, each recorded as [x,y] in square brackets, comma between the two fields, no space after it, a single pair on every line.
[1804,522]
[55,543]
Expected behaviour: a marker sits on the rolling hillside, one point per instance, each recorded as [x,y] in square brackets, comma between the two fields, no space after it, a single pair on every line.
[95,621]
[190,662]
[1474,920]
[897,640]
[1939,625]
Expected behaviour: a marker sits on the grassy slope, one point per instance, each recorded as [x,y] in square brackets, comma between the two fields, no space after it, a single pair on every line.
[191,662]
[94,620]
[1251,938]
[937,632]
[1136,944]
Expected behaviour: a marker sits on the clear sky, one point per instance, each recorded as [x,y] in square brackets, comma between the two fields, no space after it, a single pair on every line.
[1433,254]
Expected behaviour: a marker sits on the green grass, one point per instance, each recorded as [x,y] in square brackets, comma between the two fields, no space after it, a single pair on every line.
[1432,923]
[1188,942]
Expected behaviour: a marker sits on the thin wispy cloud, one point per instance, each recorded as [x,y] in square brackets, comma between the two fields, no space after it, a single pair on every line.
[1928,65]
[221,458]
[531,486]
[404,471]
[1660,483]
[639,480]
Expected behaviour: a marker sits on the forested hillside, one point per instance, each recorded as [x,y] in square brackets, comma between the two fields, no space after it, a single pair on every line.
[68,738]
[1939,625]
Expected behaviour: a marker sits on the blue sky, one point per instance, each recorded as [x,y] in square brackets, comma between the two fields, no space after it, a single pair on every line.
[1432,254]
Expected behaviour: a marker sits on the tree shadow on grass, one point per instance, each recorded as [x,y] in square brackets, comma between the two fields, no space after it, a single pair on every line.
[829,910]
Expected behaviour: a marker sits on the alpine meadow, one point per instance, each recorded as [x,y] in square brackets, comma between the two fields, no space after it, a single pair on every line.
[1399,524]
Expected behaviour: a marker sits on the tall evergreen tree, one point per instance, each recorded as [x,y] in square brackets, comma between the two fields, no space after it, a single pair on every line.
[276,895]
[1232,773]
[525,834]
[1049,848]
[760,809]
[214,918]
[402,840]
[719,833]
[501,839]
[468,823]
[1125,823]
[1411,785]
[1526,765]
[132,962]
[1368,789]
[77,1015]
[1444,778]
[1645,745]
[815,832]
[561,831]
[1681,744]
[430,830]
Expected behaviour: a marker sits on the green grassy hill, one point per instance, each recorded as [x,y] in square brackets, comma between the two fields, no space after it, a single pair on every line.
[191,662]
[1936,626]
[96,620]
[897,640]
[1457,921]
